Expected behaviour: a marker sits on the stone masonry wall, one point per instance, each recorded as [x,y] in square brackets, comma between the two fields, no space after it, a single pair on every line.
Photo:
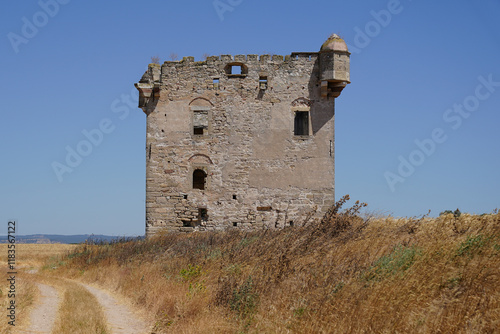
[239,130]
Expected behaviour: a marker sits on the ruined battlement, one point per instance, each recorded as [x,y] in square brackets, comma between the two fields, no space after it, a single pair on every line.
[241,141]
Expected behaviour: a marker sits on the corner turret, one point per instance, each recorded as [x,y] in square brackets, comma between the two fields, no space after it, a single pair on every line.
[334,66]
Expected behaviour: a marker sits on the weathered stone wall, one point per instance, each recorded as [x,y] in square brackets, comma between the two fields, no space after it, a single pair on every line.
[239,130]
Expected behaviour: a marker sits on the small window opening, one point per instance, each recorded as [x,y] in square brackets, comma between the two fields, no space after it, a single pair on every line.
[234,196]
[301,123]
[199,178]
[185,196]
[290,222]
[235,69]
[202,215]
[200,122]
[216,83]
[235,224]
[262,82]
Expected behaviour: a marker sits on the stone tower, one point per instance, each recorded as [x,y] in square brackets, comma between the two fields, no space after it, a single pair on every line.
[243,141]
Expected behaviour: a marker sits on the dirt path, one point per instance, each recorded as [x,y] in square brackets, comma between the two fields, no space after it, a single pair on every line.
[121,319]
[44,314]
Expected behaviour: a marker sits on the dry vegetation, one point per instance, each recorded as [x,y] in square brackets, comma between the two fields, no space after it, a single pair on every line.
[342,275]
[79,312]
[28,256]
[26,293]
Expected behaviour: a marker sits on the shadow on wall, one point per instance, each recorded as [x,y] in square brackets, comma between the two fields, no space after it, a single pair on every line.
[320,115]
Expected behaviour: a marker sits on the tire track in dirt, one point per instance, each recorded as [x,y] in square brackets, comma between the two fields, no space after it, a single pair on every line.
[121,320]
[43,315]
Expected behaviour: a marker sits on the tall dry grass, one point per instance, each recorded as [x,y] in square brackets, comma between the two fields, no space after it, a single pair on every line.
[25,295]
[344,274]
[28,257]
[79,312]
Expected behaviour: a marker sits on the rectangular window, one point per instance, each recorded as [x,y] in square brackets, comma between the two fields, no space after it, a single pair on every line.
[301,123]
[202,215]
[262,82]
[200,122]
[236,69]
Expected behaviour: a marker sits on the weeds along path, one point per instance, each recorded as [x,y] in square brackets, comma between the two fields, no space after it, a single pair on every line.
[44,314]
[121,319]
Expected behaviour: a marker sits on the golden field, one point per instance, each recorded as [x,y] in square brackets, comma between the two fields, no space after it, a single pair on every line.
[345,274]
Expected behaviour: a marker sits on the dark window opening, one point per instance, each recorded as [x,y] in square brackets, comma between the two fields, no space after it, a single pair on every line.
[185,196]
[301,123]
[235,224]
[198,131]
[199,178]
[202,215]
[263,82]
[290,223]
[234,196]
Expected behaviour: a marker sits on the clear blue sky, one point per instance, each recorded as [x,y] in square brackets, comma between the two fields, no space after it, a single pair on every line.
[425,71]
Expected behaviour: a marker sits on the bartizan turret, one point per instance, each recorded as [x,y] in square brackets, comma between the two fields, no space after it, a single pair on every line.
[334,66]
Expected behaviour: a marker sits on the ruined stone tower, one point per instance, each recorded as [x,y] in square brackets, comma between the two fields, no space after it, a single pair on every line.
[243,141]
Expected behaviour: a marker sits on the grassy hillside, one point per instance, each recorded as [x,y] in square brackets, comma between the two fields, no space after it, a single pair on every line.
[344,274]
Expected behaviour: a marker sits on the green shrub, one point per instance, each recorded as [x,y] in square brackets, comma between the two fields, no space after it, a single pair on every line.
[191,272]
[244,300]
[471,245]
[397,262]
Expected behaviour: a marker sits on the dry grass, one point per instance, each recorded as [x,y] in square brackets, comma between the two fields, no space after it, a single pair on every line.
[79,312]
[26,293]
[342,275]
[35,255]
[28,256]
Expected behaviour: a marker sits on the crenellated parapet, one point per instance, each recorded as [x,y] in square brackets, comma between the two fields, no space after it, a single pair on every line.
[329,68]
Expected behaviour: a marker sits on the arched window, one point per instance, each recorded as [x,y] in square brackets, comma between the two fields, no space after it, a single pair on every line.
[199,178]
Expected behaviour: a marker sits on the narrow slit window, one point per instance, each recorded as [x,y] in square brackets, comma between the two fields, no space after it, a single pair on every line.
[199,179]
[216,83]
[262,82]
[202,215]
[301,123]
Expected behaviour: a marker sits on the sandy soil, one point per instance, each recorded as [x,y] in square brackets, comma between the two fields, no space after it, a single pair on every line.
[121,319]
